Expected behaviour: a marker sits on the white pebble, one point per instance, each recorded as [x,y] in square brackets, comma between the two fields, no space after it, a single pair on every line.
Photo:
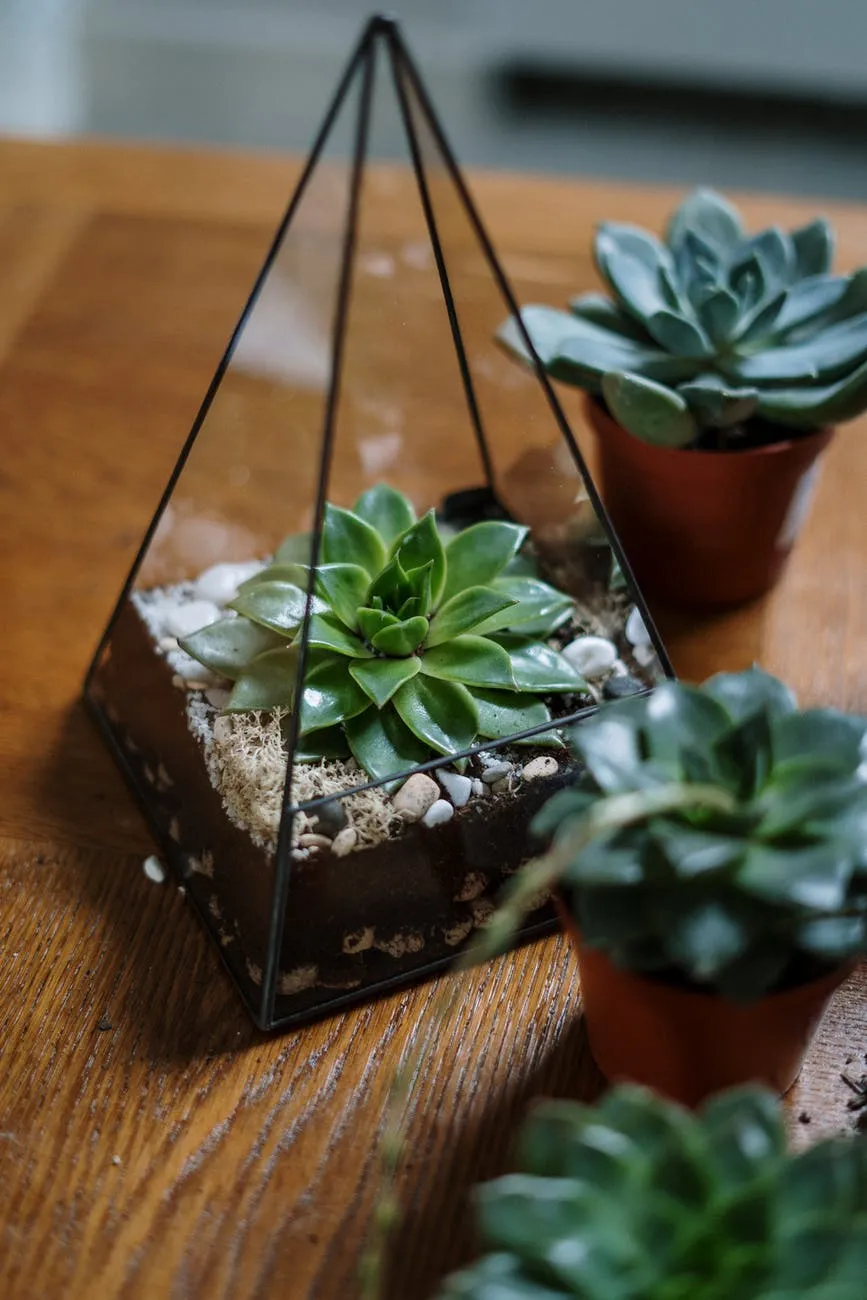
[636,629]
[344,842]
[218,697]
[115,1160]
[544,765]
[620,669]
[154,870]
[480,790]
[188,616]
[592,656]
[496,772]
[644,655]
[457,787]
[415,796]
[168,643]
[220,583]
[439,812]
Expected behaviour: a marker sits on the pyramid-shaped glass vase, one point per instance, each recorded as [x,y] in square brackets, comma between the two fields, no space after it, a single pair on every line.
[378,587]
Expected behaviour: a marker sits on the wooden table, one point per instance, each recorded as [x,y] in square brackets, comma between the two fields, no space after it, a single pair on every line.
[153,1144]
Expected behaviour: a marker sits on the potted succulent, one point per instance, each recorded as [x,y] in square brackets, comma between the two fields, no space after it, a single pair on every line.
[714,374]
[711,864]
[638,1199]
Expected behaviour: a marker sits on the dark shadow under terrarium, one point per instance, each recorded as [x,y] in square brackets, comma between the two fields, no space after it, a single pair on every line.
[378,586]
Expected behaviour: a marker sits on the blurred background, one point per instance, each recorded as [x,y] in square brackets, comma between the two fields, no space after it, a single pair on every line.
[769,94]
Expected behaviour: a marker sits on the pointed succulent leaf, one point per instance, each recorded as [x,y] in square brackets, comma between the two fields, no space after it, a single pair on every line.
[539,668]
[383,745]
[775,251]
[820,736]
[386,510]
[228,646]
[295,549]
[698,264]
[371,621]
[717,404]
[421,582]
[807,300]
[391,586]
[419,547]
[412,608]
[505,713]
[707,938]
[467,610]
[297,574]
[472,660]
[709,215]
[402,638]
[833,938]
[547,327]
[479,553]
[380,678]
[344,587]
[812,876]
[348,539]
[585,356]
[813,407]
[649,411]
[746,278]
[629,260]
[747,692]
[678,335]
[280,606]
[327,633]
[268,682]
[761,323]
[814,248]
[600,310]
[536,608]
[330,696]
[718,314]
[440,713]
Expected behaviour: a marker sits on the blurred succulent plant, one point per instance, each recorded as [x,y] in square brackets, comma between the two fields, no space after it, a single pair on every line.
[759,876]
[418,645]
[711,330]
[637,1199]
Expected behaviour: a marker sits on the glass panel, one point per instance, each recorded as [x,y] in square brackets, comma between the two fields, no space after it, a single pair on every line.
[317,595]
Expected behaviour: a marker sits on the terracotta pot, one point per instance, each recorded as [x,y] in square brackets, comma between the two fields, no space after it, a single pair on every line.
[707,529]
[687,1045]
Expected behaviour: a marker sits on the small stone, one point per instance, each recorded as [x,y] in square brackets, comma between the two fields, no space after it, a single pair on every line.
[220,583]
[115,1160]
[311,841]
[544,765]
[636,628]
[496,772]
[480,790]
[415,796]
[222,728]
[503,786]
[344,842]
[330,817]
[217,696]
[592,656]
[189,616]
[104,1024]
[617,688]
[439,812]
[457,787]
[154,869]
[168,643]
[644,655]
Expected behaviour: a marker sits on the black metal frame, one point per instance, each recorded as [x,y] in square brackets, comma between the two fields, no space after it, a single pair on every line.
[380,34]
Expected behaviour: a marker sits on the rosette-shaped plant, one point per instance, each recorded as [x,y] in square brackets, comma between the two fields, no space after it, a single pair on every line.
[636,1199]
[731,849]
[418,644]
[711,334]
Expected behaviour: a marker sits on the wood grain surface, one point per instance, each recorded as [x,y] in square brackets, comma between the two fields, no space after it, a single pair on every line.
[153,1144]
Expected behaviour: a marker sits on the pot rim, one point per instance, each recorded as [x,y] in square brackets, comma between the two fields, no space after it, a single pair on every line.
[834,976]
[600,418]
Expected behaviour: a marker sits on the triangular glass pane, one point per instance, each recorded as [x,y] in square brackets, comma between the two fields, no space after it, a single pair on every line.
[364,390]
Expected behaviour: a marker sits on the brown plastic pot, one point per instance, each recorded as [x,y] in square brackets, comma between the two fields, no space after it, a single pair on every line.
[687,1045]
[707,529]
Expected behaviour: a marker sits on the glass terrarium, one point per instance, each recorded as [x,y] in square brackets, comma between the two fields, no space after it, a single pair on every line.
[378,586]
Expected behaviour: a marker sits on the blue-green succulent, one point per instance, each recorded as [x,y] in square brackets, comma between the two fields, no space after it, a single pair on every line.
[419,643]
[711,335]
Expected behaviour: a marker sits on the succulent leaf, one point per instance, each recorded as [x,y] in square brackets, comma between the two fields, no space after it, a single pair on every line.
[814,248]
[715,403]
[709,215]
[599,310]
[295,549]
[650,411]
[226,647]
[407,652]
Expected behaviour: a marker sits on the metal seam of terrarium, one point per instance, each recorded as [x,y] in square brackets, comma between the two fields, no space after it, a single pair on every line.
[282,863]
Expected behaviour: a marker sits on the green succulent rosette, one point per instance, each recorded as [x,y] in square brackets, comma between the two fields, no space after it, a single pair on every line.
[419,644]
